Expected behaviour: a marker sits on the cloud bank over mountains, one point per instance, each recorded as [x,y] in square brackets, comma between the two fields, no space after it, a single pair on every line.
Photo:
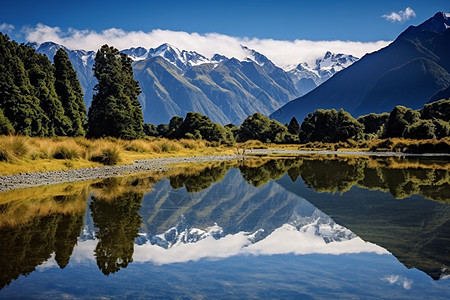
[282,52]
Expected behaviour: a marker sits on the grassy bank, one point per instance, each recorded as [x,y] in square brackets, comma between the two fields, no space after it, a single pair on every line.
[21,154]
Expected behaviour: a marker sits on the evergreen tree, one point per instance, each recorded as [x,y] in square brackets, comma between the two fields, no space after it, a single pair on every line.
[70,94]
[115,110]
[5,125]
[40,73]
[17,100]
[293,127]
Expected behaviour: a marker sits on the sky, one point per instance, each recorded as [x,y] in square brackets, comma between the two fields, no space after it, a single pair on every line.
[287,31]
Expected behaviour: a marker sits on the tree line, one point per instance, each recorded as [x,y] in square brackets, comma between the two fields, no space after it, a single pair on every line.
[323,125]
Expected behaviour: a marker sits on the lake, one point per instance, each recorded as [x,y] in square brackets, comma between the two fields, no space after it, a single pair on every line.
[305,227]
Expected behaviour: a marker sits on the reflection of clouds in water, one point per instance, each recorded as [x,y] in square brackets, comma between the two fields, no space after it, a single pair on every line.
[49,263]
[284,240]
[398,280]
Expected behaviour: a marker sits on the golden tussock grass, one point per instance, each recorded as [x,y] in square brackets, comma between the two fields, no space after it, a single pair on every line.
[21,154]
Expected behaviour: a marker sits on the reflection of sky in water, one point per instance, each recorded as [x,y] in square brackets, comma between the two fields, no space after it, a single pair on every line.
[267,276]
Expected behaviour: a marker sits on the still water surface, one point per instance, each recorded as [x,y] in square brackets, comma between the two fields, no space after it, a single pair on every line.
[305,227]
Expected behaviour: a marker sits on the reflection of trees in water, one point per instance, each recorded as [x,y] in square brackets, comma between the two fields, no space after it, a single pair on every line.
[334,174]
[118,222]
[23,248]
[271,170]
[200,179]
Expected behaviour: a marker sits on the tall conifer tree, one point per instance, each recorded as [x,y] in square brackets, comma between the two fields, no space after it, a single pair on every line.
[17,100]
[70,94]
[115,110]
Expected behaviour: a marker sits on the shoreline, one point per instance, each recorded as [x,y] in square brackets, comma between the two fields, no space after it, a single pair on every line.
[27,180]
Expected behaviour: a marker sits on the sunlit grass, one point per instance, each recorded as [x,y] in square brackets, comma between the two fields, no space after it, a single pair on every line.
[21,154]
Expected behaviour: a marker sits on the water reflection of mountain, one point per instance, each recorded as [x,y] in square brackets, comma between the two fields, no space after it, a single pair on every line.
[415,230]
[173,216]
[238,203]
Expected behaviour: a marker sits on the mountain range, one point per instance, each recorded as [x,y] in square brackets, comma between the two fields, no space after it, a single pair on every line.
[227,90]
[409,72]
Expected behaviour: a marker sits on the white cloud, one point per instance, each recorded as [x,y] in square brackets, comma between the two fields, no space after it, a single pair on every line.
[398,280]
[5,27]
[400,16]
[282,53]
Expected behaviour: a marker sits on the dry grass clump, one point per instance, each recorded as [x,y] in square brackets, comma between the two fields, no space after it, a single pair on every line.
[68,149]
[192,144]
[107,155]
[140,146]
[13,147]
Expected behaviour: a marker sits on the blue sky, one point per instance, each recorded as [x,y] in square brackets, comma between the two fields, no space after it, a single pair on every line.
[286,20]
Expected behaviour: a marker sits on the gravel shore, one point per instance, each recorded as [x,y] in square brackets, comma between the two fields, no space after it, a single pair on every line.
[11,182]
[26,180]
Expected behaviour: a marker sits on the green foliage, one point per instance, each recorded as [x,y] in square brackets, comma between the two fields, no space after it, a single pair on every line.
[115,110]
[174,124]
[70,94]
[198,126]
[294,127]
[150,129]
[399,119]
[373,123]
[329,126]
[422,129]
[162,129]
[5,125]
[260,127]
[18,98]
[442,128]
[437,110]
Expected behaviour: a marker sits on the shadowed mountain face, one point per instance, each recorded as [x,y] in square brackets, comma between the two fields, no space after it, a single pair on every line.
[407,72]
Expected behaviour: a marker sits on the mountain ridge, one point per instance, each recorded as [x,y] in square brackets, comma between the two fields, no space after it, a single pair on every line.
[365,86]
[225,89]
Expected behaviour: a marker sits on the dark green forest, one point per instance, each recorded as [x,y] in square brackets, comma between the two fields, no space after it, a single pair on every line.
[36,97]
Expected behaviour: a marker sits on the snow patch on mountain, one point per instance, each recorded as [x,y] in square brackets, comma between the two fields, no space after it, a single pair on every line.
[307,78]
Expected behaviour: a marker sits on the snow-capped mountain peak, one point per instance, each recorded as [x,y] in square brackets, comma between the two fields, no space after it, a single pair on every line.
[182,59]
[306,77]
[136,54]
[258,58]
